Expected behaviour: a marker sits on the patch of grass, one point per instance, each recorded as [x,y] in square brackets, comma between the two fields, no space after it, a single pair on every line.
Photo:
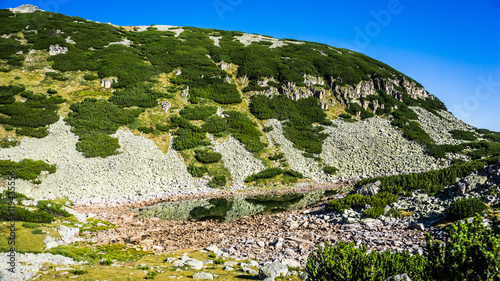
[30,225]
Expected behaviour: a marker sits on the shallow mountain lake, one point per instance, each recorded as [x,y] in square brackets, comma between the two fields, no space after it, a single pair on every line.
[228,209]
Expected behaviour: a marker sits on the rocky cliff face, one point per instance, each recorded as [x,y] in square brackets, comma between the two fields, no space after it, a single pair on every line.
[393,88]
[314,86]
[26,8]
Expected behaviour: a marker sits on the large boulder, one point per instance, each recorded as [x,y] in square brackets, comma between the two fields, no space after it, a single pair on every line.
[272,271]
[203,276]
[400,277]
[56,50]
[466,185]
[194,264]
[369,188]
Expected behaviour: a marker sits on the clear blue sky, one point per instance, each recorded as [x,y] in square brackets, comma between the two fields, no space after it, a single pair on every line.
[451,47]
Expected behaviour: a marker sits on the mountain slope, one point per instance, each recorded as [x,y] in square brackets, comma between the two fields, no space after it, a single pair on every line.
[102,103]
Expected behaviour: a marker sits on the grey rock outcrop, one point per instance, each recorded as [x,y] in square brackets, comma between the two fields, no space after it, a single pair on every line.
[165,105]
[194,264]
[67,235]
[369,189]
[56,50]
[203,276]
[107,82]
[28,265]
[466,185]
[392,87]
[272,271]
[293,92]
[25,9]
[400,277]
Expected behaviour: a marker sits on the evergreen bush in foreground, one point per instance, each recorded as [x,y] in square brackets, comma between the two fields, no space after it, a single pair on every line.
[472,252]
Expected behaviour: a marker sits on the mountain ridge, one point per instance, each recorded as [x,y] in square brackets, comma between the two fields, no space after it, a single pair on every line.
[277,101]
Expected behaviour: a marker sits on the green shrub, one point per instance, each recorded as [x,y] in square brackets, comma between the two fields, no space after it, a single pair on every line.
[483,149]
[140,96]
[151,275]
[215,89]
[32,132]
[163,127]
[26,169]
[374,212]
[348,262]
[7,93]
[215,124]
[8,213]
[198,112]
[90,77]
[268,129]
[146,130]
[52,208]
[293,173]
[308,155]
[330,170]
[300,114]
[465,208]
[217,181]
[51,92]
[79,271]
[357,202]
[56,76]
[430,182]
[37,231]
[345,116]
[463,135]
[187,139]
[207,157]
[37,111]
[97,145]
[245,130]
[355,109]
[6,143]
[93,121]
[6,196]
[271,173]
[276,156]
[470,252]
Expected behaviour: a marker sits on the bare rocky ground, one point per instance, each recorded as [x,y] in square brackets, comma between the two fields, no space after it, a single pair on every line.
[269,237]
